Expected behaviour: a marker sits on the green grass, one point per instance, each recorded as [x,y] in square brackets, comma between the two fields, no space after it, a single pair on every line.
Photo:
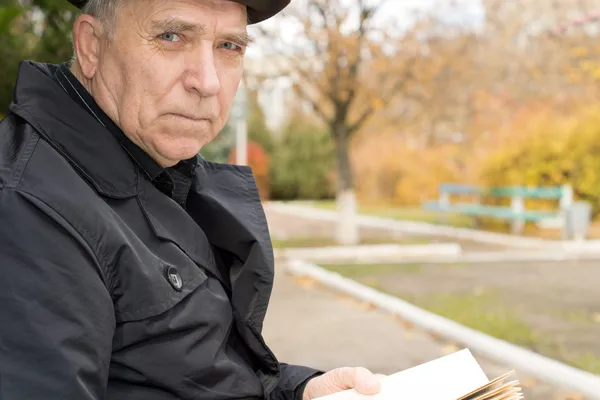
[374,270]
[483,312]
[403,213]
[360,270]
[580,317]
[588,362]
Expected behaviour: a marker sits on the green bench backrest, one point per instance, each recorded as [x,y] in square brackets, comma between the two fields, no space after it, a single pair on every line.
[542,192]
[546,192]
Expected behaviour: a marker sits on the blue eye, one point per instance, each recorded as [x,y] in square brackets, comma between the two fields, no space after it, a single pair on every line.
[169,37]
[230,46]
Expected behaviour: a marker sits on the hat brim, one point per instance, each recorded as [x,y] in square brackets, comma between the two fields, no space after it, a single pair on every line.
[258,10]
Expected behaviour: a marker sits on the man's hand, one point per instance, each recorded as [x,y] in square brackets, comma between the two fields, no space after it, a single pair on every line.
[337,380]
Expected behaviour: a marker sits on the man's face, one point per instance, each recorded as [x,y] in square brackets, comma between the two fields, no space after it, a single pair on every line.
[170,73]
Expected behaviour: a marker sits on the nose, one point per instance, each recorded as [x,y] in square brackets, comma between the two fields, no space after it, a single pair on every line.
[202,75]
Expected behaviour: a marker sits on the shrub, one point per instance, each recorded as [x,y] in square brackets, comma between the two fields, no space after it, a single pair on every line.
[552,150]
[258,131]
[302,163]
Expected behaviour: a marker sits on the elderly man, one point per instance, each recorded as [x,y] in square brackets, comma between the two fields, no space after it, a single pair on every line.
[132,268]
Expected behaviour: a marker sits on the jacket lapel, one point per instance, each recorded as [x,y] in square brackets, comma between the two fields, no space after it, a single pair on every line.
[224,202]
[224,213]
[171,223]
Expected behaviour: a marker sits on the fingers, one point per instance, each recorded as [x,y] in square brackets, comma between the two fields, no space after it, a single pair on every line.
[363,380]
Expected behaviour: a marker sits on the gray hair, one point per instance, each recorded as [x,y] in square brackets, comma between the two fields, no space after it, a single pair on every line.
[103,10]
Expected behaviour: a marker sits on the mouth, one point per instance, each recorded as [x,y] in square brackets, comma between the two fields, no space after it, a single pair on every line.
[189,117]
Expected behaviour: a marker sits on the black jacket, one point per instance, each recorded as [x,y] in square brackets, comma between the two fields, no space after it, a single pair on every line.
[109,289]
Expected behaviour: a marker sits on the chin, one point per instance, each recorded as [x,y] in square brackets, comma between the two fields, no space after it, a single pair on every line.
[184,154]
[172,155]
[182,144]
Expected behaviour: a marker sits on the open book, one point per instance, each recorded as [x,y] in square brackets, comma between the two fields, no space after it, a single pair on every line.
[457,376]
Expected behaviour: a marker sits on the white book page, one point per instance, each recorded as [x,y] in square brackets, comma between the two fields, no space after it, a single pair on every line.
[446,378]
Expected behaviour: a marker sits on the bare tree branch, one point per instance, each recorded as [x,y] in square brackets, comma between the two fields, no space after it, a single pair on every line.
[339,72]
[301,90]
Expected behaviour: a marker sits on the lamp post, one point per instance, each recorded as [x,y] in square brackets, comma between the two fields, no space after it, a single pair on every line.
[239,116]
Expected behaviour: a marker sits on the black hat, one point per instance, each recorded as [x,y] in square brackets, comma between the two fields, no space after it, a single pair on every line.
[258,10]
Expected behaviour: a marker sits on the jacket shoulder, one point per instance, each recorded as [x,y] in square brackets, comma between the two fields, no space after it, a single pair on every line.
[17,143]
[30,164]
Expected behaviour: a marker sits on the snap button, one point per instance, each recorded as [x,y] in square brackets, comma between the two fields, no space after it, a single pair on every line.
[174,278]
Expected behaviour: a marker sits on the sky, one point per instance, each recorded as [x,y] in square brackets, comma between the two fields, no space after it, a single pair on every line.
[397,13]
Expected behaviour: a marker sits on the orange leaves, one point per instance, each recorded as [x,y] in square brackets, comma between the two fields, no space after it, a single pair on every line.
[258,160]
[388,170]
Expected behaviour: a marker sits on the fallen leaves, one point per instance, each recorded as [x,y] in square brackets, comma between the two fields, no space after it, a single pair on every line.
[407,325]
[305,282]
[570,396]
[449,349]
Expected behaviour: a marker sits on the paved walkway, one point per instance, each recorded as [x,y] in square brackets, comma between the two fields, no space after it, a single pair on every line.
[310,325]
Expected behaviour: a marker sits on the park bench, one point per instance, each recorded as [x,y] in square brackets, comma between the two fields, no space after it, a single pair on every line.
[516,213]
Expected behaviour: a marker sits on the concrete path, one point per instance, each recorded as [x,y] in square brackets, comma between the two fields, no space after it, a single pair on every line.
[307,324]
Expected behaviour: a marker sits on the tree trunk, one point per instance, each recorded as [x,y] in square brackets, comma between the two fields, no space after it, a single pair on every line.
[347,232]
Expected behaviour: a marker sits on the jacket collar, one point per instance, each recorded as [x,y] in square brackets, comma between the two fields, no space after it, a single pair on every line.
[84,98]
[73,131]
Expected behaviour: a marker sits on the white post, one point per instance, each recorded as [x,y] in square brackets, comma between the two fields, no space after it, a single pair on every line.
[239,113]
[518,207]
[241,142]
[476,219]
[445,206]
[566,203]
[348,231]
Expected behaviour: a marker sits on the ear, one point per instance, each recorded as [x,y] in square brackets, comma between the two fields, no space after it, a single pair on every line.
[87,36]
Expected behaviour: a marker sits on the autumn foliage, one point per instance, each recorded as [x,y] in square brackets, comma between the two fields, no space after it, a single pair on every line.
[506,104]
[551,149]
[388,171]
[259,161]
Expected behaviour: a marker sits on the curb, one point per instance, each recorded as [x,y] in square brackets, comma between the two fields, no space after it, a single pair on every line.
[465,258]
[417,228]
[373,253]
[544,368]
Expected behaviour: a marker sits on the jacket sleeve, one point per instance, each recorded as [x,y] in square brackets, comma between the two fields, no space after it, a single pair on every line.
[292,381]
[56,315]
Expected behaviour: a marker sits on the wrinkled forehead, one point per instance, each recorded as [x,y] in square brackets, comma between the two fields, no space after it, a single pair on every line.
[227,11]
[225,6]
